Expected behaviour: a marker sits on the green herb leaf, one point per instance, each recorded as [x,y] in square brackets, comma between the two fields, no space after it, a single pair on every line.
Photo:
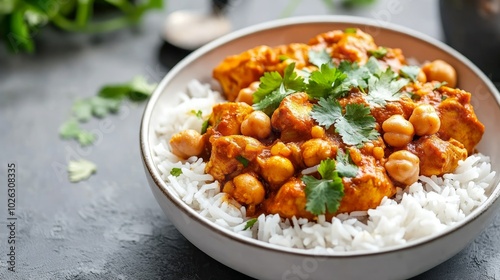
[176,172]
[250,223]
[243,160]
[324,195]
[378,53]
[345,166]
[410,72]
[82,110]
[385,88]
[85,138]
[320,57]
[283,57]
[356,76]
[438,85]
[273,89]
[117,92]
[204,127]
[101,107]
[326,82]
[351,30]
[140,89]
[80,170]
[70,129]
[355,127]
[198,113]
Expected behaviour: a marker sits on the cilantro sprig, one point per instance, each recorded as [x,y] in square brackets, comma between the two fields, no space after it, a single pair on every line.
[274,88]
[327,81]
[355,126]
[324,195]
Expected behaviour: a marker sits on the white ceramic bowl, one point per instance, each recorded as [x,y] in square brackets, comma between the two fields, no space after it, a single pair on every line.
[265,261]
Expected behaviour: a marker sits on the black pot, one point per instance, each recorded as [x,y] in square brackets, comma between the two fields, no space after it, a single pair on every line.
[472,27]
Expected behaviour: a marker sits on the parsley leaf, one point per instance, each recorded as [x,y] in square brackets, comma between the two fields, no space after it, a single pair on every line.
[176,172]
[410,72]
[320,57]
[250,223]
[324,195]
[384,88]
[345,166]
[327,81]
[355,127]
[378,53]
[243,160]
[273,88]
[80,170]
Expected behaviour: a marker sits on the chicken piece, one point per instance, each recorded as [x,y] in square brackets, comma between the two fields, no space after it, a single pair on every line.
[239,71]
[292,118]
[228,152]
[289,201]
[351,46]
[436,155]
[368,188]
[458,120]
[227,117]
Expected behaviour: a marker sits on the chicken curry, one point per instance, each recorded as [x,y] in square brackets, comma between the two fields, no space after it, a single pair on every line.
[331,126]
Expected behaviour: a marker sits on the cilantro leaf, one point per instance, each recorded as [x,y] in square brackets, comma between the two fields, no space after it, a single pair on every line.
[243,160]
[85,138]
[326,82]
[438,85]
[356,76]
[351,30]
[80,170]
[273,89]
[82,110]
[320,57]
[101,106]
[71,130]
[198,113]
[345,166]
[204,127]
[136,90]
[378,53]
[324,195]
[250,223]
[176,172]
[269,82]
[140,89]
[373,66]
[410,72]
[355,127]
[384,88]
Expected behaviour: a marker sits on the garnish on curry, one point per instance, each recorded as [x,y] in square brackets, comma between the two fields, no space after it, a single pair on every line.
[331,126]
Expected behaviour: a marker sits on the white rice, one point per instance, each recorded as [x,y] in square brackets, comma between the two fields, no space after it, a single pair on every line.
[427,207]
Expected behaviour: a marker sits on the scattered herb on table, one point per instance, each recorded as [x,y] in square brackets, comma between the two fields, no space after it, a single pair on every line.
[108,101]
[20,21]
[80,170]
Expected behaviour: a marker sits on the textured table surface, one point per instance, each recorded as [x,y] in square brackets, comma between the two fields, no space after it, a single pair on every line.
[110,226]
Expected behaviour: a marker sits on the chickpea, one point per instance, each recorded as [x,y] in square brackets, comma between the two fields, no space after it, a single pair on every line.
[280,149]
[425,120]
[187,143]
[257,125]
[276,169]
[317,132]
[421,76]
[378,153]
[246,94]
[440,71]
[403,166]
[316,150]
[246,189]
[398,132]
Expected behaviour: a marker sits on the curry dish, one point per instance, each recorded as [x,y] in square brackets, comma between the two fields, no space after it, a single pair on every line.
[339,114]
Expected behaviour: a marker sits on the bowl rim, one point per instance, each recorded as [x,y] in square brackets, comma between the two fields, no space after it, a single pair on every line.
[154,174]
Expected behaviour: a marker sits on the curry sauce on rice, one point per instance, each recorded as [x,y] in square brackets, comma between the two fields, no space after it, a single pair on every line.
[308,133]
